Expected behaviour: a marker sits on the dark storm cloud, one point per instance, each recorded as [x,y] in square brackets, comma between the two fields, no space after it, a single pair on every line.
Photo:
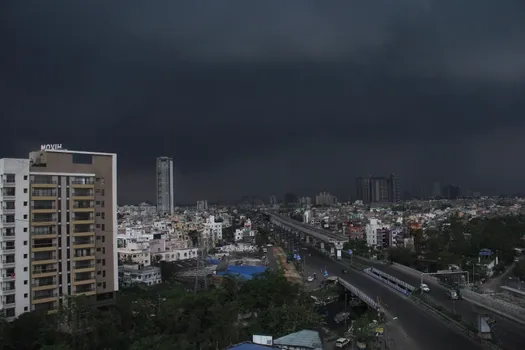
[268,96]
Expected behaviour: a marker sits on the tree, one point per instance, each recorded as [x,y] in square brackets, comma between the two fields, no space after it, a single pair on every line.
[519,269]
[401,255]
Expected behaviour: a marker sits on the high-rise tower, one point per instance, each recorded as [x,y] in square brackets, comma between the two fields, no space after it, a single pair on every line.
[165,185]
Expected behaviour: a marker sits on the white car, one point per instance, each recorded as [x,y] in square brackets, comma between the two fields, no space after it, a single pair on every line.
[310,278]
[424,288]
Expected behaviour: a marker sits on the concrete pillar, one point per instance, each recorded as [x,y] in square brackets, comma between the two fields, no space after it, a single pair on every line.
[332,250]
[338,254]
[322,245]
[307,239]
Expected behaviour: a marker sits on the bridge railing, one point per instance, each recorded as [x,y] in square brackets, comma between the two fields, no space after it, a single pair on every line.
[369,301]
[500,306]
[320,234]
[401,283]
[385,280]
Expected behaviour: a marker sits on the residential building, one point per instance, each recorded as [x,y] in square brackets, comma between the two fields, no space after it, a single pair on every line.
[131,274]
[14,237]
[273,200]
[325,198]
[378,189]
[212,231]
[165,186]
[202,205]
[73,226]
[377,233]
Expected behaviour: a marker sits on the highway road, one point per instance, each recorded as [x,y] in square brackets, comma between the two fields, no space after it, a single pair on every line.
[510,334]
[423,330]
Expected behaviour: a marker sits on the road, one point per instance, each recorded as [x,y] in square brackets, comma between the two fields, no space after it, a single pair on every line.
[422,329]
[510,334]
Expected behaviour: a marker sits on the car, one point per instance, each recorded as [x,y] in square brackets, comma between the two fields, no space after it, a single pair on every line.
[345,271]
[452,294]
[424,288]
[310,278]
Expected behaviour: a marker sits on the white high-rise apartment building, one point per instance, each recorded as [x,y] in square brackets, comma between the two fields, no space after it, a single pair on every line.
[165,196]
[14,237]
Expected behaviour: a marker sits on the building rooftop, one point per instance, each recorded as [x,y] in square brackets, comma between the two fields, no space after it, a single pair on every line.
[305,338]
[251,346]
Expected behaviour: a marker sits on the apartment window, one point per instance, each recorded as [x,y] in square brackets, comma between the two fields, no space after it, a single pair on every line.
[103,215]
[26,295]
[25,256]
[25,216]
[103,273]
[25,282]
[25,229]
[103,284]
[98,238]
[102,192]
[81,158]
[103,227]
[26,308]
[10,178]
[102,204]
[25,268]
[103,262]
[98,272]
[25,190]
[9,205]
[103,239]
[25,242]
[103,250]
[25,204]
[98,214]
[99,284]
[98,225]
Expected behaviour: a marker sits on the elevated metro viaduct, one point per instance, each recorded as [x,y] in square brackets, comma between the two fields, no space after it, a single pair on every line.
[308,232]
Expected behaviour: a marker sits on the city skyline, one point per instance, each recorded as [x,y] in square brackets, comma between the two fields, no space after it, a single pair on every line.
[298,100]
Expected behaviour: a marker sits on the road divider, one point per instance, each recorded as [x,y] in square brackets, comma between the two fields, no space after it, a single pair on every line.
[391,281]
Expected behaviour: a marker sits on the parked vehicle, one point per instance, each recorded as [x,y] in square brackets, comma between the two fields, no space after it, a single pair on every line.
[424,288]
[343,343]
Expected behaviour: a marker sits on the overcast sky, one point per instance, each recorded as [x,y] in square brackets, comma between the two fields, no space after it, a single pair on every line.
[264,97]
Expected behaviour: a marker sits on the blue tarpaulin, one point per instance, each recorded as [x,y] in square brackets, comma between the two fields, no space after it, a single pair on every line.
[214,261]
[246,272]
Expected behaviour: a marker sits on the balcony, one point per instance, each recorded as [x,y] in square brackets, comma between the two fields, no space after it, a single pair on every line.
[83,206]
[7,290]
[83,218]
[80,230]
[83,266]
[8,247]
[44,258]
[82,278]
[43,181]
[44,296]
[8,262]
[83,254]
[43,220]
[50,307]
[8,208]
[44,207]
[8,193]
[43,232]
[7,277]
[46,283]
[43,194]
[82,182]
[8,301]
[44,245]
[8,180]
[8,221]
[83,242]
[85,289]
[42,271]
[83,194]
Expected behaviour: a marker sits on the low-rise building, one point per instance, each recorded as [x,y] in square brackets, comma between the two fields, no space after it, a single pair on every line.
[131,274]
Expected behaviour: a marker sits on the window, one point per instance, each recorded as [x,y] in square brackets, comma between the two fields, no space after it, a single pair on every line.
[25,282]
[26,295]
[103,215]
[25,204]
[25,190]
[25,242]
[25,216]
[25,229]
[81,158]
[102,204]
[102,192]
[25,256]
[25,177]
[103,227]
[25,268]
[103,273]
[98,214]
[26,308]
[103,284]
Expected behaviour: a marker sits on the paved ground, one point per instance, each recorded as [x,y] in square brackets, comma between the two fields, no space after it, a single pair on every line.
[416,329]
[511,334]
